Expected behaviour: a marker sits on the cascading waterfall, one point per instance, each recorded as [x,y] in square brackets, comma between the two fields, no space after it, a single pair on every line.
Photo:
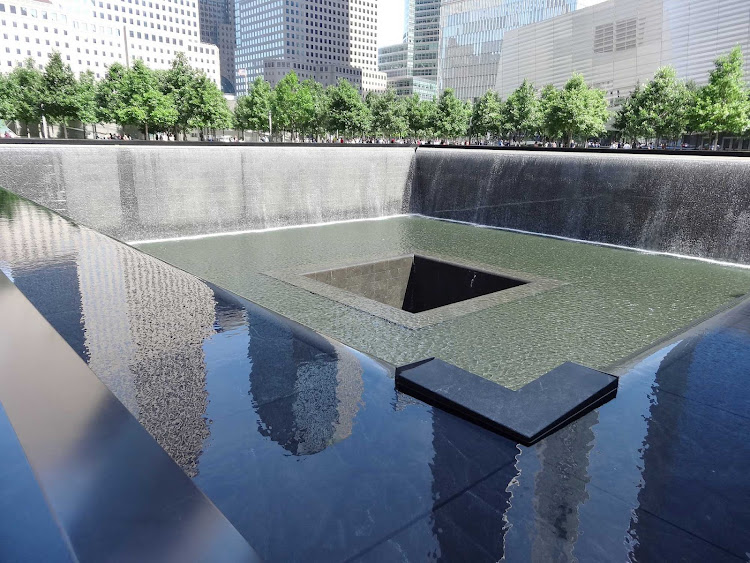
[691,205]
[684,204]
[136,192]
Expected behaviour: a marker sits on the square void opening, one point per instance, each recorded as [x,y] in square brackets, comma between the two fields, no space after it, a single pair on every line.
[415,283]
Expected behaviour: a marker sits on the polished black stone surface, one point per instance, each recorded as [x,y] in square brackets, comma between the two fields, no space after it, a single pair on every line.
[28,530]
[309,451]
[527,415]
[112,492]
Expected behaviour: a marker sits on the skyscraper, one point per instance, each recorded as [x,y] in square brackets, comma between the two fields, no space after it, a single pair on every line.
[411,66]
[217,27]
[320,39]
[91,35]
[472,36]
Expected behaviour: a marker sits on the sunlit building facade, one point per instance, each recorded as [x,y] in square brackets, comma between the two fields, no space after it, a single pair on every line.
[472,33]
[320,39]
[621,43]
[411,66]
[91,35]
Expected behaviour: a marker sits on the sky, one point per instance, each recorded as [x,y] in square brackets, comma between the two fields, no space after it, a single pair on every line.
[391,22]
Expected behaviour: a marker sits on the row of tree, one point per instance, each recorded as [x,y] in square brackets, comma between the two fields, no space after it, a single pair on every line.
[306,108]
[177,99]
[181,98]
[666,108]
[663,109]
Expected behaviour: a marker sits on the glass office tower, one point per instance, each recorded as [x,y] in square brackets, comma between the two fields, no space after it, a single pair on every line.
[472,38]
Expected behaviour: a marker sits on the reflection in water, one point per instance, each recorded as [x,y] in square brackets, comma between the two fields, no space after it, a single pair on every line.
[138,323]
[306,397]
[303,426]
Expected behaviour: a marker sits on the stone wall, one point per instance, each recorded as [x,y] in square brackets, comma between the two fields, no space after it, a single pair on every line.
[144,191]
[687,204]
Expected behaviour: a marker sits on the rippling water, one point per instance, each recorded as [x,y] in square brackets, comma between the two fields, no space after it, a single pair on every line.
[612,304]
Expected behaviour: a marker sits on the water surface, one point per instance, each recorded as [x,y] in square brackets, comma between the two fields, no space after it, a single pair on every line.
[612,304]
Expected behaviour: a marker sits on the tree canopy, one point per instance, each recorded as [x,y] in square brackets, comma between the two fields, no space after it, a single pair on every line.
[252,110]
[722,105]
[451,116]
[576,111]
[60,91]
[522,111]
[347,112]
[487,115]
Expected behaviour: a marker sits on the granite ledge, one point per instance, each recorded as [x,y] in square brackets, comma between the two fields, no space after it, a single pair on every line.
[536,410]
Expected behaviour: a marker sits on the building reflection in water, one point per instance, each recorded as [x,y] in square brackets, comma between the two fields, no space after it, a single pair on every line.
[176,351]
[138,323]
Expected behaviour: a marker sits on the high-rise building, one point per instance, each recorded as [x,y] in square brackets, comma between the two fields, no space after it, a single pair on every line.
[426,34]
[320,39]
[618,44]
[411,66]
[472,33]
[92,34]
[217,27]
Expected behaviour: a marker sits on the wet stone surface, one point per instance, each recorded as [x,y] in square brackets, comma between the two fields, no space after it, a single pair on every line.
[306,447]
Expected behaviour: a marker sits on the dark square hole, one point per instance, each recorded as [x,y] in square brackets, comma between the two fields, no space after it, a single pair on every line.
[415,283]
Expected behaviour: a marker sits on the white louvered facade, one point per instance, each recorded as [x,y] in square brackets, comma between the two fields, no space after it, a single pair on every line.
[620,43]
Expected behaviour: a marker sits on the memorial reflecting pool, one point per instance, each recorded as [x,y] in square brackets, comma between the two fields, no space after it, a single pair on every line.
[588,304]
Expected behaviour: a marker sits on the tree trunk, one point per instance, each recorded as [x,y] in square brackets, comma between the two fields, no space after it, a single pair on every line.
[716,141]
[145,126]
[65,129]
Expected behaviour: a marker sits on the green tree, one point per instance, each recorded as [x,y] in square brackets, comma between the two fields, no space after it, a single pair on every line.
[60,90]
[285,105]
[487,115]
[86,100]
[109,94]
[388,115]
[252,110]
[139,101]
[576,111]
[419,116]
[629,120]
[347,112]
[210,109]
[9,95]
[29,82]
[313,104]
[660,109]
[722,105]
[179,82]
[522,111]
[451,117]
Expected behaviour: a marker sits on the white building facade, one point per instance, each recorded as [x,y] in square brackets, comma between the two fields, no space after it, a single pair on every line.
[618,44]
[91,35]
[320,39]
[472,35]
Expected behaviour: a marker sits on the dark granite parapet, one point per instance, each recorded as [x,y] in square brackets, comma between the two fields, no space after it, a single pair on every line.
[527,415]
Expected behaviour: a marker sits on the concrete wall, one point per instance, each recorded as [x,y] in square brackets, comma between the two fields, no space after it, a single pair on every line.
[688,204]
[694,205]
[141,191]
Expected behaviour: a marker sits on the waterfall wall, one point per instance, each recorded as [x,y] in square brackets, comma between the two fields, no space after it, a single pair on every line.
[143,191]
[687,204]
